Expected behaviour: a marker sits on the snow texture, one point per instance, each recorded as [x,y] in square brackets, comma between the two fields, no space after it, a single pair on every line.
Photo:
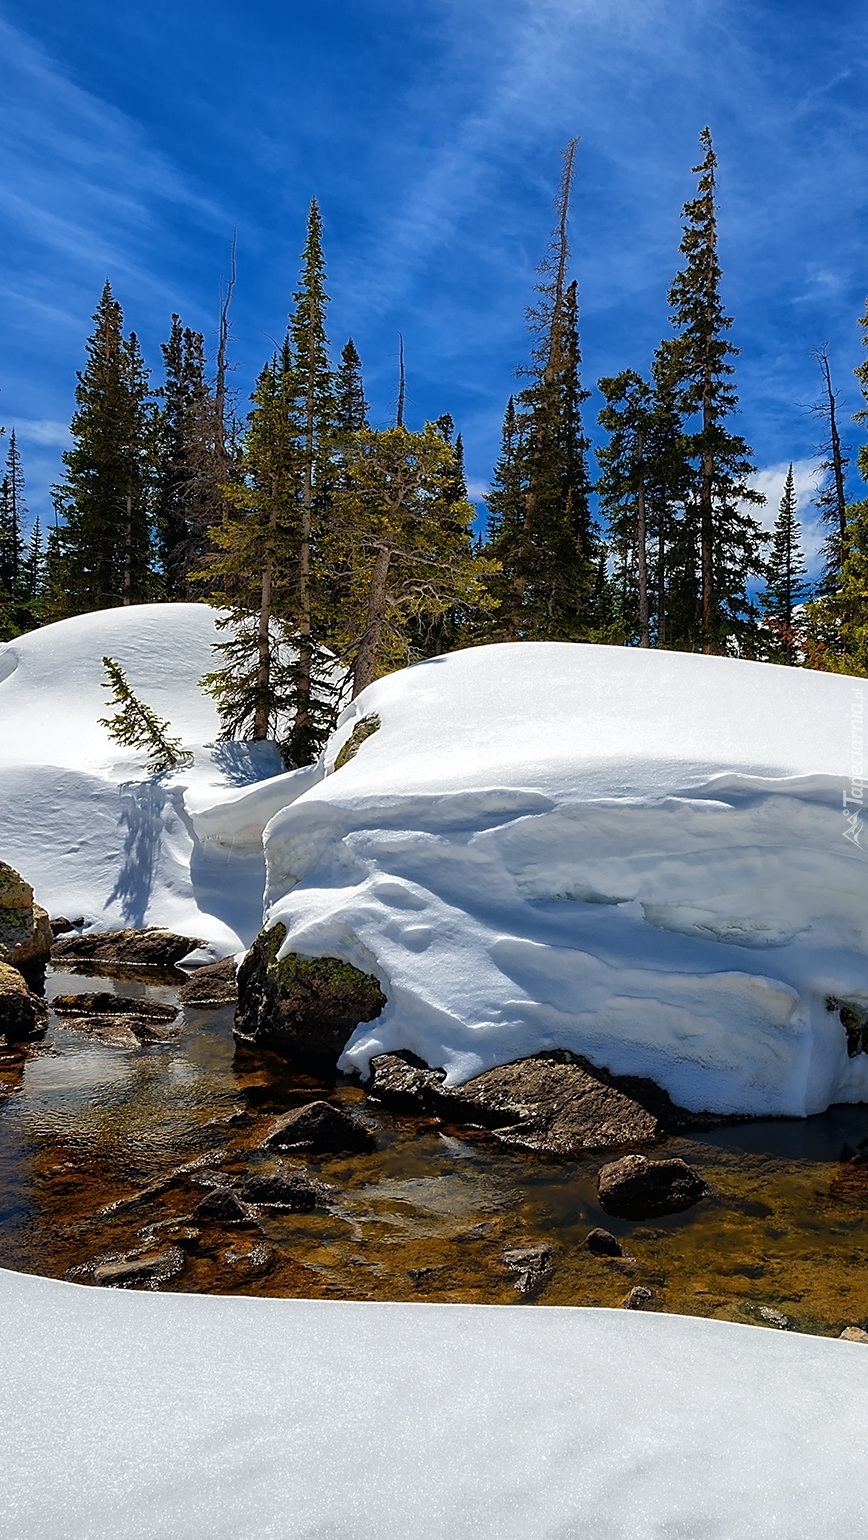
[148,1415]
[638,856]
[82,820]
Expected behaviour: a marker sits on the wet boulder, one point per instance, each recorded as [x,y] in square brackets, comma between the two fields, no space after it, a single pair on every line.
[147,1269]
[296,1193]
[553,1102]
[637,1188]
[150,948]
[321,1129]
[211,986]
[603,1244]
[304,1008]
[223,1204]
[25,929]
[22,1014]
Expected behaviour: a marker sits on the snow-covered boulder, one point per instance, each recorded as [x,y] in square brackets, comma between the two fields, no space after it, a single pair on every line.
[642,857]
[95,834]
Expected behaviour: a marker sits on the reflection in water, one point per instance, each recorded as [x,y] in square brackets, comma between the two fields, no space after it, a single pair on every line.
[106,1150]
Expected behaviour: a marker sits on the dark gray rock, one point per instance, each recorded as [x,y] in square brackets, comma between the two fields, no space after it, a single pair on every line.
[296,1193]
[603,1244]
[212,986]
[320,1128]
[149,1268]
[636,1188]
[23,1015]
[637,1298]
[103,1003]
[303,1008]
[223,1204]
[125,948]
[552,1102]
[532,1264]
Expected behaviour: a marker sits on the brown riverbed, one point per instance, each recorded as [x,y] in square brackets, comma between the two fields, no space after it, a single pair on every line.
[107,1149]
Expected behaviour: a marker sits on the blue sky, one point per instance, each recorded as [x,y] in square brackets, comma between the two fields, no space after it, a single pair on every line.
[134,138]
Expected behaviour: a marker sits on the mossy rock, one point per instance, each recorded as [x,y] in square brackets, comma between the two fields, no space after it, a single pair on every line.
[25,930]
[364,728]
[304,1008]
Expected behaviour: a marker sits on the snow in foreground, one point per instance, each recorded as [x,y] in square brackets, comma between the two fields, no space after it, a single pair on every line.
[80,817]
[637,856]
[148,1415]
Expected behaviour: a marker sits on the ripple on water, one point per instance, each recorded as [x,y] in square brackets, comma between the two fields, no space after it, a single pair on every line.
[106,1149]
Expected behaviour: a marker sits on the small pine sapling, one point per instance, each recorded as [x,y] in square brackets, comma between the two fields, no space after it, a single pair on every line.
[136,726]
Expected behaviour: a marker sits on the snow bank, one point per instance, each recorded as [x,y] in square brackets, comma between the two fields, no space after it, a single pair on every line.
[81,819]
[158,1414]
[637,856]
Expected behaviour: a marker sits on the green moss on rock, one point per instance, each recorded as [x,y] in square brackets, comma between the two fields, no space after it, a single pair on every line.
[303,1007]
[364,728]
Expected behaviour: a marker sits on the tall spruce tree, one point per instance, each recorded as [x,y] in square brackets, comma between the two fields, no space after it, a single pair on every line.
[786,585]
[351,408]
[316,419]
[255,574]
[184,504]
[13,511]
[695,369]
[540,529]
[104,551]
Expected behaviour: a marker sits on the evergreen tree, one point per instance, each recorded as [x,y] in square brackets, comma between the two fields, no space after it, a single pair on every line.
[184,506]
[137,726]
[786,587]
[13,511]
[831,500]
[407,544]
[837,623]
[351,408]
[257,569]
[694,369]
[541,533]
[103,551]
[316,418]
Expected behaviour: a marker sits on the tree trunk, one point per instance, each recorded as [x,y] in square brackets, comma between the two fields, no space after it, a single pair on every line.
[302,728]
[262,714]
[837,458]
[128,547]
[365,665]
[642,552]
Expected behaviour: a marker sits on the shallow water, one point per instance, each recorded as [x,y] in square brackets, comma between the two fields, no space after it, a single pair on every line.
[107,1149]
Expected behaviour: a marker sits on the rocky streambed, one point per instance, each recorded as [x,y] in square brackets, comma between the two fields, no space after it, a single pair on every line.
[142,1146]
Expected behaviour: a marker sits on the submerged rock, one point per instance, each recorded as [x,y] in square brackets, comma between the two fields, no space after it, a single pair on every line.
[25,929]
[296,1193]
[104,1003]
[603,1244]
[22,1014]
[125,948]
[303,1007]
[552,1102]
[637,1298]
[532,1264]
[149,1268]
[212,986]
[224,1204]
[320,1128]
[636,1188]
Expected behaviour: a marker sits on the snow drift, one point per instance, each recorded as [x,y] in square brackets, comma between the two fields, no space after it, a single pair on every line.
[242,1419]
[82,820]
[641,857]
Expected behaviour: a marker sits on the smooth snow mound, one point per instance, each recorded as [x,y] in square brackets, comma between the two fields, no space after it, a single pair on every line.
[82,820]
[639,856]
[195,1418]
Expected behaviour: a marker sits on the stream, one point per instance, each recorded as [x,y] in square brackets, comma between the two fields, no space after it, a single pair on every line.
[106,1149]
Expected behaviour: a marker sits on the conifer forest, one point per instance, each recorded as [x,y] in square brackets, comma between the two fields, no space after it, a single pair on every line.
[337,551]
